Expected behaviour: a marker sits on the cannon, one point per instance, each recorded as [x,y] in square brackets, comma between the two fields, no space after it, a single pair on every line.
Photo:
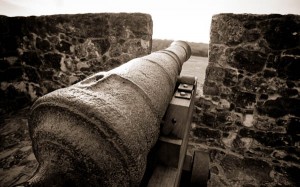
[99,132]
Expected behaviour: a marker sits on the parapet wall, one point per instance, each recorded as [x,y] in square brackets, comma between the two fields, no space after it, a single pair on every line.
[249,117]
[41,54]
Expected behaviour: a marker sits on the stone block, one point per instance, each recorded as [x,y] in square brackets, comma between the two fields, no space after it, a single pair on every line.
[226,30]
[204,133]
[281,32]
[11,74]
[211,88]
[231,77]
[214,73]
[245,99]
[280,106]
[267,138]
[43,45]
[288,67]
[246,170]
[250,61]
[31,58]
[294,126]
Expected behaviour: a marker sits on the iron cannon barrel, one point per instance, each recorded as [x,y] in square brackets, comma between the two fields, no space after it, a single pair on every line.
[99,131]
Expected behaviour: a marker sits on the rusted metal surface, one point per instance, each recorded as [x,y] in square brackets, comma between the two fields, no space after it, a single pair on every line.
[99,131]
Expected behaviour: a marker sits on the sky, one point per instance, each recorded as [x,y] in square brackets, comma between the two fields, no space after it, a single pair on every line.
[187,20]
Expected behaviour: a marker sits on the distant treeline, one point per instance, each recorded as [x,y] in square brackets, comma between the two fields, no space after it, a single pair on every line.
[198,49]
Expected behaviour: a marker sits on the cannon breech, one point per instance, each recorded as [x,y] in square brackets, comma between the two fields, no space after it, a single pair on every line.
[99,132]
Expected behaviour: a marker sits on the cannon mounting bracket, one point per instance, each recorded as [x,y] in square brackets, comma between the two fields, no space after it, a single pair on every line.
[171,158]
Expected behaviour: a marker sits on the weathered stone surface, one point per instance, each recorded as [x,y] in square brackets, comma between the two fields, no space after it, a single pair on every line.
[294,126]
[254,66]
[215,73]
[52,60]
[16,158]
[11,74]
[102,45]
[67,48]
[223,117]
[209,119]
[269,73]
[282,32]
[252,35]
[253,168]
[231,77]
[31,58]
[251,61]
[288,92]
[64,47]
[288,67]
[43,45]
[280,107]
[245,99]
[291,173]
[32,74]
[211,88]
[267,138]
[226,31]
[207,133]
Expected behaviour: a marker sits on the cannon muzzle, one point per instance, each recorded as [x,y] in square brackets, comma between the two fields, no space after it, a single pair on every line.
[99,131]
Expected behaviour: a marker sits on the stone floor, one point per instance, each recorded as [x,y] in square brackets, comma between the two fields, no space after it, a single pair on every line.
[17,161]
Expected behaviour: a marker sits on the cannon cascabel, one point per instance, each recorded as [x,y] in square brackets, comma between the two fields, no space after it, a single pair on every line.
[99,131]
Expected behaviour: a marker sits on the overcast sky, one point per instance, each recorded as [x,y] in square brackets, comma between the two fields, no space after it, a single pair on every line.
[173,19]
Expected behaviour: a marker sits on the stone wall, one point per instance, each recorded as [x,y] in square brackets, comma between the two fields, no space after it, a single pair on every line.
[249,116]
[41,54]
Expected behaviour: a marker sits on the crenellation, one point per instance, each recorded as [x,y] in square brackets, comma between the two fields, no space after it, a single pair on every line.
[254,66]
[50,52]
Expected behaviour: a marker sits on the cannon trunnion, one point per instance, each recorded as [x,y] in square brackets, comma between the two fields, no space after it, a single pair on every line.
[99,131]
